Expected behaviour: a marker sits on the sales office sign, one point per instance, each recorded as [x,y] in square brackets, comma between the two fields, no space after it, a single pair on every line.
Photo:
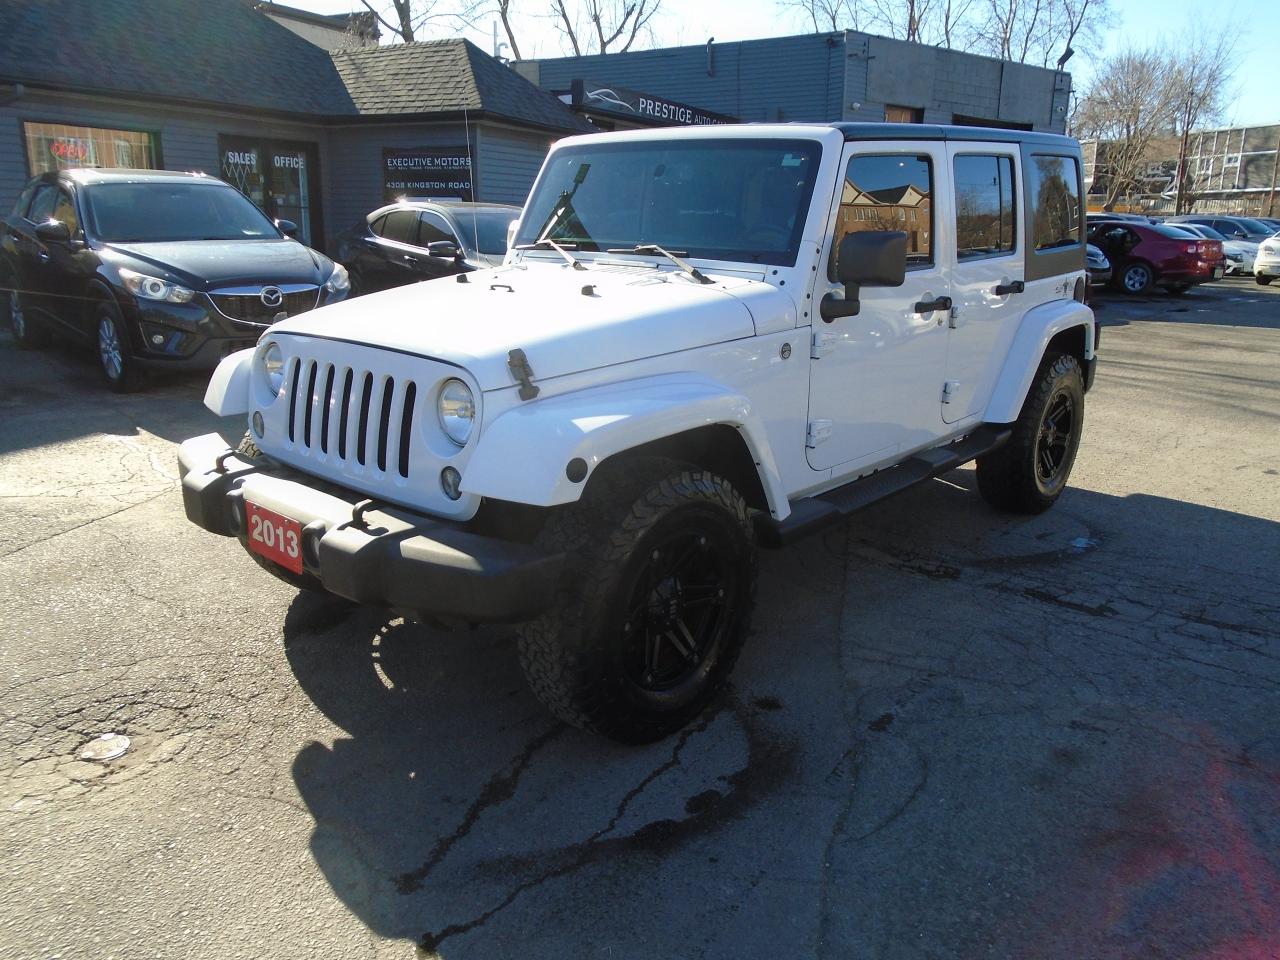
[442,172]
[609,98]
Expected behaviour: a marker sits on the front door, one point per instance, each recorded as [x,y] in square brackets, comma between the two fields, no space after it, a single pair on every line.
[281,177]
[987,273]
[875,382]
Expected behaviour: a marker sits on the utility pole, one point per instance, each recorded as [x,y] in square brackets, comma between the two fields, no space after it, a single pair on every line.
[1182,169]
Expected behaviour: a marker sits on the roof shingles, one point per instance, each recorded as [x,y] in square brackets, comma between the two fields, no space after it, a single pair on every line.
[226,53]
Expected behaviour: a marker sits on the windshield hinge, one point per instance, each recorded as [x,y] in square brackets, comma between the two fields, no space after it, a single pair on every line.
[518,364]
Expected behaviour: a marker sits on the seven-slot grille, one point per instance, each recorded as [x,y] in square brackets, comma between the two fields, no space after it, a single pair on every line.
[352,416]
[249,308]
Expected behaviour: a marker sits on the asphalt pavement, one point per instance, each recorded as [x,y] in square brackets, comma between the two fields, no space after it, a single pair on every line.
[953,733]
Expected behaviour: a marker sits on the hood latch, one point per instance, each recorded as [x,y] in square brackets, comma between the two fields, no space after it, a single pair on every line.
[518,363]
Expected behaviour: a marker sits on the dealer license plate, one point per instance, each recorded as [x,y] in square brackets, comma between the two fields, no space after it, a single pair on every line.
[277,538]
[1217,273]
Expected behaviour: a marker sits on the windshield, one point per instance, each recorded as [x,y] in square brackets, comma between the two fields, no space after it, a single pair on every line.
[491,225]
[161,212]
[743,200]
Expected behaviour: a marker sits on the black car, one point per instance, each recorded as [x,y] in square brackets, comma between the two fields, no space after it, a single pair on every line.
[1232,228]
[154,269]
[414,240]
[1097,265]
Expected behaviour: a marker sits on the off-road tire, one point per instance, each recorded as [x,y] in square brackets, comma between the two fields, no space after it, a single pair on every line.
[1011,477]
[580,656]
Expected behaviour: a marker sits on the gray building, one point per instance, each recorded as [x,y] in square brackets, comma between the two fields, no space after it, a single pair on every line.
[826,76]
[314,136]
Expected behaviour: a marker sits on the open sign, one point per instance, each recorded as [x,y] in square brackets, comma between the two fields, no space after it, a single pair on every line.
[70,151]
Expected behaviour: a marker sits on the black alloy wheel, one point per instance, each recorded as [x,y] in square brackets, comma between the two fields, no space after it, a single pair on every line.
[1054,445]
[678,611]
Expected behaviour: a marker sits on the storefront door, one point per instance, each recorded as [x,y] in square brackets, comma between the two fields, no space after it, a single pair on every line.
[279,176]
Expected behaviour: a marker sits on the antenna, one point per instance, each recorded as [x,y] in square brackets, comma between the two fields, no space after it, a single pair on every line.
[471,170]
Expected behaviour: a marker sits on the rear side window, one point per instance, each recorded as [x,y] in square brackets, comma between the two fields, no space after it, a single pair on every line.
[401,226]
[1055,192]
[986,217]
[890,192]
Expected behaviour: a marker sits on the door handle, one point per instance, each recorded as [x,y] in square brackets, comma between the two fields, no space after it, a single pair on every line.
[1015,286]
[928,306]
[44,256]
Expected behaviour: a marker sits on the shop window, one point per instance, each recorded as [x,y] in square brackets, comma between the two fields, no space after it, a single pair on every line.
[57,146]
[1055,190]
[986,217]
[878,194]
[894,114]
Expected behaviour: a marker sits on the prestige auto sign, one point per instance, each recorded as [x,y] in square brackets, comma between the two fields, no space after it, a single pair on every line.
[619,101]
[426,172]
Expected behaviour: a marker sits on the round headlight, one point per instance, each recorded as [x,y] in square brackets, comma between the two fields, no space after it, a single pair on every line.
[273,367]
[457,408]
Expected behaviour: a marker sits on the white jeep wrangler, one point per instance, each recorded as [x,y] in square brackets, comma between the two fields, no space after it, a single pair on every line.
[702,341]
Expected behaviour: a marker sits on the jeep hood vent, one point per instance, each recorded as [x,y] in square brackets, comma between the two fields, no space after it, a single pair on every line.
[541,310]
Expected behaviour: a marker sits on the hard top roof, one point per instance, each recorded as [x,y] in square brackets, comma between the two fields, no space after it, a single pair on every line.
[932,131]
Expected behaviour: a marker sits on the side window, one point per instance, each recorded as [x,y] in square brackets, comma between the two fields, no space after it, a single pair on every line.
[1055,191]
[401,226]
[986,217]
[42,206]
[24,200]
[65,210]
[377,225]
[432,227]
[890,192]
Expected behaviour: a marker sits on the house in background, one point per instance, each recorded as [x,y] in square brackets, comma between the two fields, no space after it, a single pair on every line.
[338,31]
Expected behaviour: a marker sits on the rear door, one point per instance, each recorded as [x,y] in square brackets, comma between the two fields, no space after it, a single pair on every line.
[987,276]
[397,255]
[876,376]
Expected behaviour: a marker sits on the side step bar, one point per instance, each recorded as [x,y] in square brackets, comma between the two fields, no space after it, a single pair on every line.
[816,513]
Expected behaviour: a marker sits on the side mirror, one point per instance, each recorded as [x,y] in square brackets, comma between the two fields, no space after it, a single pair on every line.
[288,228]
[53,231]
[443,248]
[875,258]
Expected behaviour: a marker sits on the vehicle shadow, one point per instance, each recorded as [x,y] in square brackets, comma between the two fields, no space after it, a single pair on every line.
[930,690]
[56,393]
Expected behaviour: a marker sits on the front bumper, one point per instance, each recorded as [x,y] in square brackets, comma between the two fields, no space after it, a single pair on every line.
[386,557]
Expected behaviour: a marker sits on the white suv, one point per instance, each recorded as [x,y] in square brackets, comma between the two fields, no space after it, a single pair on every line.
[701,342]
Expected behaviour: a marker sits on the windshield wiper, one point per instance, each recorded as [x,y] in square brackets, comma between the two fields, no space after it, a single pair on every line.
[688,268]
[562,249]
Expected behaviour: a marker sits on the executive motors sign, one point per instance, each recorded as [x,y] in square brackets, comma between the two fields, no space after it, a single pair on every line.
[593,97]
[443,172]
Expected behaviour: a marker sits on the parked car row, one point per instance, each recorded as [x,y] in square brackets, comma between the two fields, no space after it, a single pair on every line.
[167,270]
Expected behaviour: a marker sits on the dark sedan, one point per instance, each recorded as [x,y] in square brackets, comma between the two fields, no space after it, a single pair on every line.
[153,269]
[413,240]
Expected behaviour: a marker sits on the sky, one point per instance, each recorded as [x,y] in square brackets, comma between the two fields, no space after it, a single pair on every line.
[1139,23]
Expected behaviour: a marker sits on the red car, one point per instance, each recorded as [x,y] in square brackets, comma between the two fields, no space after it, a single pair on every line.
[1146,255]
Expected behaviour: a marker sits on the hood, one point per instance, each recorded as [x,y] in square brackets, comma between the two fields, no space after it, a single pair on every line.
[203,264]
[565,320]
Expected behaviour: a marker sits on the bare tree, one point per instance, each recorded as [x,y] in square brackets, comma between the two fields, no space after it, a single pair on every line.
[407,19]
[1036,31]
[903,19]
[1200,79]
[952,17]
[603,26]
[1131,102]
[827,16]
[503,8]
